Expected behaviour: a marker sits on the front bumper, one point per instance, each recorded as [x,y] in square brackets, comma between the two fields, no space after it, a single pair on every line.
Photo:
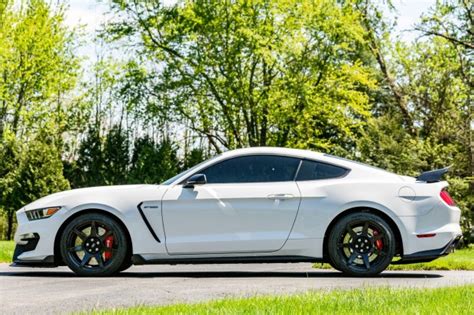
[38,251]
[28,246]
[429,255]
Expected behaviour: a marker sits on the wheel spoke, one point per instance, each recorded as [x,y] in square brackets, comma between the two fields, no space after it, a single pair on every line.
[93,229]
[85,260]
[365,257]
[76,248]
[351,232]
[365,229]
[352,258]
[81,234]
[99,259]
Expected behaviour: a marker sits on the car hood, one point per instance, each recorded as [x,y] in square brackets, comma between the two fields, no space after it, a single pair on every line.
[61,198]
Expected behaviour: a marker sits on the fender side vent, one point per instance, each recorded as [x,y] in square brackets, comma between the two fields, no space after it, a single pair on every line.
[148,225]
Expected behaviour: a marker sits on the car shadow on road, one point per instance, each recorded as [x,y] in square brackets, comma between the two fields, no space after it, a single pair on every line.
[223,274]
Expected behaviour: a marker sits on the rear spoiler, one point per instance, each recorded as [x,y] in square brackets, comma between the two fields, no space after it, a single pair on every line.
[433,176]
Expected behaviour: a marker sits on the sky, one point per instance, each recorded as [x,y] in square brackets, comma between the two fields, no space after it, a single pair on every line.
[91,14]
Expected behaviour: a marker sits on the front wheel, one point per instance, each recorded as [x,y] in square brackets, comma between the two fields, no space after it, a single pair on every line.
[361,244]
[94,244]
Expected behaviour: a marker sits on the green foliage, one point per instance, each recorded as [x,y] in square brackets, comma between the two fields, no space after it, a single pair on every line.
[6,251]
[116,156]
[254,73]
[111,160]
[32,171]
[451,300]
[196,156]
[461,191]
[153,162]
[90,162]
[37,67]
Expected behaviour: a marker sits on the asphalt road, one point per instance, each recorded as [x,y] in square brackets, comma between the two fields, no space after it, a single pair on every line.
[57,290]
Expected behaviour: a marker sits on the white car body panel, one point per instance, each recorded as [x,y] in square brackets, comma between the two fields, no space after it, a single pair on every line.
[242,220]
[229,218]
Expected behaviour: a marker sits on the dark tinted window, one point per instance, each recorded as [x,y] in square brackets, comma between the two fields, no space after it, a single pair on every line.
[311,170]
[251,169]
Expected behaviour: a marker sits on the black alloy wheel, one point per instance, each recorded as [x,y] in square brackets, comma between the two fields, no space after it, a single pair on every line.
[361,244]
[94,244]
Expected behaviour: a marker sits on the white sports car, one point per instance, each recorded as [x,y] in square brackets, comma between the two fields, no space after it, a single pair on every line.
[247,205]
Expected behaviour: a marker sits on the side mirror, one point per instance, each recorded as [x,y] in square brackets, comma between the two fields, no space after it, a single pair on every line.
[196,179]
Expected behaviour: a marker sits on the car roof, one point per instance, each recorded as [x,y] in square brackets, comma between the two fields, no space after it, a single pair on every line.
[273,151]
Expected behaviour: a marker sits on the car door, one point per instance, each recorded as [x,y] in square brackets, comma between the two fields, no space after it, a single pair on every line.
[249,204]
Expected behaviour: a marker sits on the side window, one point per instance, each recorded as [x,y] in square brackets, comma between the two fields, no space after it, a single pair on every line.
[311,170]
[252,169]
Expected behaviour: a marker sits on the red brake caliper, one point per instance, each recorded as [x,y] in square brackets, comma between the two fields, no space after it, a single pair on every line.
[378,243]
[109,241]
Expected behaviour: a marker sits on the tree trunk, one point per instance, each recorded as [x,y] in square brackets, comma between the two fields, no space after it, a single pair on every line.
[10,215]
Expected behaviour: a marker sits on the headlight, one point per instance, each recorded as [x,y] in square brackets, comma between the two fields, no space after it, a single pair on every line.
[41,213]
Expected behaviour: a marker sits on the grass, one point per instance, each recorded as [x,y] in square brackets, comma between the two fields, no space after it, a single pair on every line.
[452,300]
[461,259]
[6,251]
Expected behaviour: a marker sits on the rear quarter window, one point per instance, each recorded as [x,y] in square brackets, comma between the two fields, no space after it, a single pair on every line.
[312,170]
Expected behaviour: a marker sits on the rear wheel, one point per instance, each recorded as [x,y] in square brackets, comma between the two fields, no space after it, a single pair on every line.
[94,244]
[126,264]
[361,244]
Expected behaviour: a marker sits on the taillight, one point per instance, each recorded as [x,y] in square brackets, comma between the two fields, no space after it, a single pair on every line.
[447,198]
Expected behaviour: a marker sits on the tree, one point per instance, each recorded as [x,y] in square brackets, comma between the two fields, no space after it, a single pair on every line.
[453,22]
[37,67]
[254,73]
[89,168]
[195,156]
[153,162]
[37,172]
[116,156]
[38,70]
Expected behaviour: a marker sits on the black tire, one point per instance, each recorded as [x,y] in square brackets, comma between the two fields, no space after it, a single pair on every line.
[361,244]
[94,245]
[334,266]
[126,264]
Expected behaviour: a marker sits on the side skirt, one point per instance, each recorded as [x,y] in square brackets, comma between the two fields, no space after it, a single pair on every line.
[139,260]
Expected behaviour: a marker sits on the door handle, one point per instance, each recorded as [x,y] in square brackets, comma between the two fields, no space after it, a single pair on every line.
[280,196]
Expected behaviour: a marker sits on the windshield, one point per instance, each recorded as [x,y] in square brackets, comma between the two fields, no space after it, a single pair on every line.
[174,178]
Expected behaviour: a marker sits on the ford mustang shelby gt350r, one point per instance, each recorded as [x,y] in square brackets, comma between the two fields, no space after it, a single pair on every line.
[246,205]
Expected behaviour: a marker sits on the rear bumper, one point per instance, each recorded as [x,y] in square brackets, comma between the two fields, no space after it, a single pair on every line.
[429,255]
